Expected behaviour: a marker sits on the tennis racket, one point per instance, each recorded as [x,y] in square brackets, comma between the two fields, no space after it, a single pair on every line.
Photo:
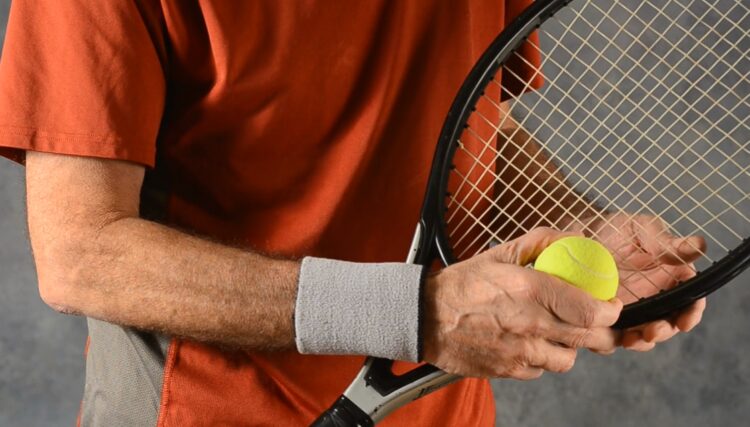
[634,107]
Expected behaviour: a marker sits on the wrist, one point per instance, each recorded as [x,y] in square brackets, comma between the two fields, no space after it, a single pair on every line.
[431,321]
[357,308]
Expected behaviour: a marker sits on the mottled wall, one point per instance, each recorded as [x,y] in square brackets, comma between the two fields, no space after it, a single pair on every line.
[700,379]
[41,352]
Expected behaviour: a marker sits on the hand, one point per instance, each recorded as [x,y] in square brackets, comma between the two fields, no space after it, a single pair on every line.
[650,259]
[490,317]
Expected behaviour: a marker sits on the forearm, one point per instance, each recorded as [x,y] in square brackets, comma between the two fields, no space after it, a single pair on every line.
[95,256]
[149,276]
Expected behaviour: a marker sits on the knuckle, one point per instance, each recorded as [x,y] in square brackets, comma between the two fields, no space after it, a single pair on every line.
[523,280]
[515,372]
[495,371]
[528,350]
[504,252]
[580,339]
[531,374]
[540,232]
[519,362]
[588,316]
[520,359]
[530,284]
[511,252]
[535,327]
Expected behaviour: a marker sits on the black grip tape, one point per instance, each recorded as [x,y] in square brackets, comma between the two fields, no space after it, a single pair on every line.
[343,413]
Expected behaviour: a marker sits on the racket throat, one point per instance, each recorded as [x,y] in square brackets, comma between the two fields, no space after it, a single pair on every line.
[378,392]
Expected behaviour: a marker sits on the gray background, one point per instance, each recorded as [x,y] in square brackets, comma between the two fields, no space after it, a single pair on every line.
[698,379]
[41,352]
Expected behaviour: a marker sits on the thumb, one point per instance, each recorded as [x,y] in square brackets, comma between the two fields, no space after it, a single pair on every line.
[525,249]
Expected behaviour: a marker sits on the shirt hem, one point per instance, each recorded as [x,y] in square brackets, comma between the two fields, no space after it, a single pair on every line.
[15,141]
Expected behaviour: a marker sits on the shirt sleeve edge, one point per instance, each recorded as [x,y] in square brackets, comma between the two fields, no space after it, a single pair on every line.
[14,142]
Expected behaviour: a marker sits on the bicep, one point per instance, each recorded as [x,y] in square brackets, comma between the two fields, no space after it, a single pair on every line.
[80,191]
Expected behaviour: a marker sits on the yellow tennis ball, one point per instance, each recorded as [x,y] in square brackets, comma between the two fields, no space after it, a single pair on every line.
[582,262]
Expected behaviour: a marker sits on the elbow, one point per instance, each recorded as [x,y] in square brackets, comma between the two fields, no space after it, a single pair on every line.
[58,295]
[60,274]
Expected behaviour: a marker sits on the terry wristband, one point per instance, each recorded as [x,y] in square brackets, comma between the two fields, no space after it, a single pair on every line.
[357,308]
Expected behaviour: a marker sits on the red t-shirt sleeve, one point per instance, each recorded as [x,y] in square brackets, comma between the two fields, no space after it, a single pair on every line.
[82,78]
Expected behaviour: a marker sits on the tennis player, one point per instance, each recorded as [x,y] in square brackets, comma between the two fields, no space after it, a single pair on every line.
[226,189]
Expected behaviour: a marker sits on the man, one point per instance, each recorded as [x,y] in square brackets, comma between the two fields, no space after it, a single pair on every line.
[288,136]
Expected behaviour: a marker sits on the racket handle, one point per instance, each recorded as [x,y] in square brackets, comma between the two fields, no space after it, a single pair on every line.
[343,413]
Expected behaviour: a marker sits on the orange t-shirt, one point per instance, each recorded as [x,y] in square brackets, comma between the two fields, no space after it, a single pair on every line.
[295,128]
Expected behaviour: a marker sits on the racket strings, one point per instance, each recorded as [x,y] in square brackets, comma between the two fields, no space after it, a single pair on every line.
[511,164]
[512,215]
[685,170]
[693,85]
[614,87]
[639,116]
[680,117]
[492,226]
[730,181]
[485,144]
[645,113]
[540,188]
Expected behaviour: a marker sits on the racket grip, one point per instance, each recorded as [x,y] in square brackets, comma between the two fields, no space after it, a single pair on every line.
[343,413]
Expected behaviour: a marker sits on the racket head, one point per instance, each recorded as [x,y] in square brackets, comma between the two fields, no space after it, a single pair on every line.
[681,88]
[377,390]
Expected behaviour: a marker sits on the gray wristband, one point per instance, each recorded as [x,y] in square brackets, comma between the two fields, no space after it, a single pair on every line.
[356,308]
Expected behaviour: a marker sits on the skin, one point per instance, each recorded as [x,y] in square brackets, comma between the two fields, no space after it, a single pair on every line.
[95,257]
[649,259]
[488,316]
[485,317]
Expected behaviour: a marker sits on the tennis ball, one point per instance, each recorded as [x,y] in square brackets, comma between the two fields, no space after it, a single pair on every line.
[582,262]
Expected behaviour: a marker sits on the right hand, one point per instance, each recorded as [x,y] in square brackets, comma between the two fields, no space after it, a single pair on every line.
[489,316]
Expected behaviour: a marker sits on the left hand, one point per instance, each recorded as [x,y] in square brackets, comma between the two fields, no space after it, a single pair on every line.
[650,259]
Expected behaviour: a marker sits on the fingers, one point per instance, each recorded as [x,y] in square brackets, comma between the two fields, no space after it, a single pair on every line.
[689,248]
[526,374]
[659,331]
[551,357]
[669,249]
[603,340]
[633,340]
[526,248]
[645,337]
[691,316]
[572,305]
[539,355]
[644,283]
[681,250]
